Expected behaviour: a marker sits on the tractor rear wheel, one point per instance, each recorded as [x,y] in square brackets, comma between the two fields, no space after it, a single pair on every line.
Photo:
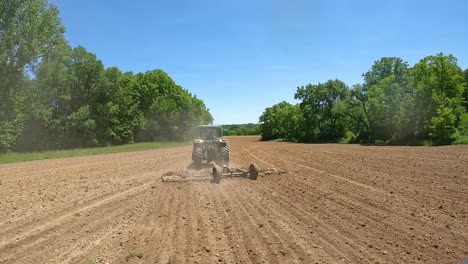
[197,157]
[224,156]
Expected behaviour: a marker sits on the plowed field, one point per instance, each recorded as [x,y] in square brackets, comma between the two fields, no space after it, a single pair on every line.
[334,204]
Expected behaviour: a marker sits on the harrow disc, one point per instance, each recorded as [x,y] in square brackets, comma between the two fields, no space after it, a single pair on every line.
[253,171]
[217,173]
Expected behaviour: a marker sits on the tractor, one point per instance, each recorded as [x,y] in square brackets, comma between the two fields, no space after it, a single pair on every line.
[209,145]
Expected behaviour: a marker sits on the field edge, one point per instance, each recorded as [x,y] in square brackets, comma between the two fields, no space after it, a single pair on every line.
[15,157]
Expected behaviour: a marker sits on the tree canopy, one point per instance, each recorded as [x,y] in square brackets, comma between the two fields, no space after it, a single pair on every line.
[241,129]
[396,104]
[56,96]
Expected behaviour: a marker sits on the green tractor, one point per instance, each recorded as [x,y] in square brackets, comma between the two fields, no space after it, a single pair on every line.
[209,145]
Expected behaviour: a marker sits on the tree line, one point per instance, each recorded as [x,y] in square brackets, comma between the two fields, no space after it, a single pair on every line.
[396,104]
[249,129]
[54,96]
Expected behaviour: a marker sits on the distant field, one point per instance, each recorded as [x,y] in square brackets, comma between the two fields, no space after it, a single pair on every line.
[19,157]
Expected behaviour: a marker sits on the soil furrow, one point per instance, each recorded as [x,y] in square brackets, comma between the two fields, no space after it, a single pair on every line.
[334,204]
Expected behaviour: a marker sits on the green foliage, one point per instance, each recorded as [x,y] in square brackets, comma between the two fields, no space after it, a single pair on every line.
[171,111]
[355,109]
[465,74]
[242,130]
[461,132]
[54,96]
[8,133]
[322,111]
[349,137]
[396,104]
[439,85]
[443,126]
[282,120]
[461,141]
[30,31]
[380,99]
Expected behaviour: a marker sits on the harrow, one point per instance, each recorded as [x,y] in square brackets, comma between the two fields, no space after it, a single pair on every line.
[214,175]
[225,172]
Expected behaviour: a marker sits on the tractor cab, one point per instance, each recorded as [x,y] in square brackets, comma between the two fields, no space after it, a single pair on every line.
[210,133]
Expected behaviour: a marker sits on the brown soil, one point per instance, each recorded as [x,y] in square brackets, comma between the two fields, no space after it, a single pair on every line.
[334,204]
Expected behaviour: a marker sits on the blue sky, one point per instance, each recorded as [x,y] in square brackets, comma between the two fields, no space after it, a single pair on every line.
[243,56]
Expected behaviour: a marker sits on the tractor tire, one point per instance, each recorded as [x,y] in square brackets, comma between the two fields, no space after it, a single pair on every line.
[197,157]
[224,156]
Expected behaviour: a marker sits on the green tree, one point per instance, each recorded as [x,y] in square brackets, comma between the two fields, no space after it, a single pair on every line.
[127,115]
[356,109]
[380,98]
[461,132]
[443,126]
[30,32]
[396,103]
[281,121]
[65,99]
[465,73]
[48,99]
[170,110]
[242,129]
[200,112]
[439,104]
[88,93]
[54,96]
[386,67]
[323,120]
